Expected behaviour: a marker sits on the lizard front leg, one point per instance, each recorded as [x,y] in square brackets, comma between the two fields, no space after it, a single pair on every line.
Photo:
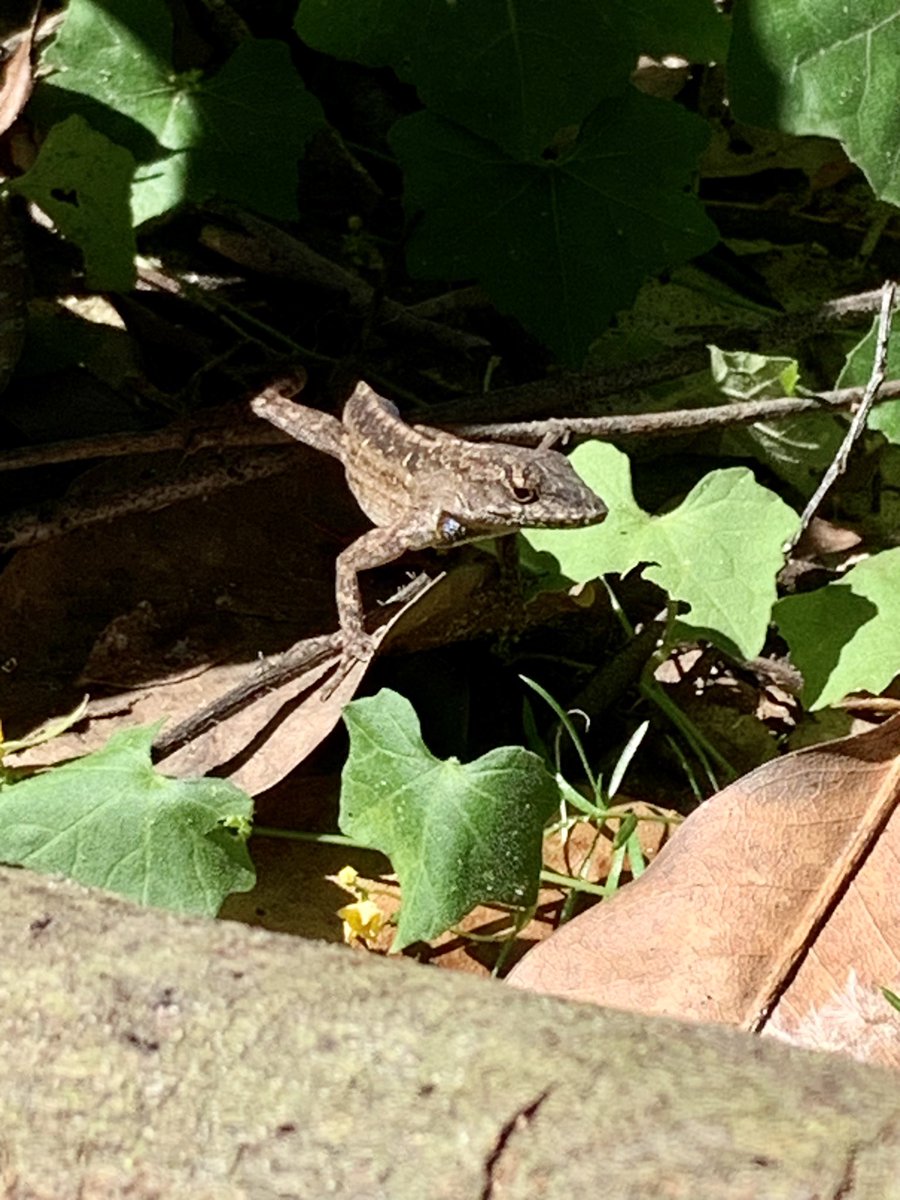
[379,546]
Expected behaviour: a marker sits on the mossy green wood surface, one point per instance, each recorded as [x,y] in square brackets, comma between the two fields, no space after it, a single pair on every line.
[149,1055]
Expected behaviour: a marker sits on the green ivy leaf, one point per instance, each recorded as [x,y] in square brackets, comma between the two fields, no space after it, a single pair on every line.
[160,185]
[110,820]
[257,119]
[835,640]
[237,133]
[798,449]
[742,375]
[719,551]
[561,244]
[457,834]
[694,29]
[829,69]
[82,181]
[513,73]
[857,370]
[118,54]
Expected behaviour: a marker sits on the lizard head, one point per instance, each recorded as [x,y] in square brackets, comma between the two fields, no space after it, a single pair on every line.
[517,488]
[545,485]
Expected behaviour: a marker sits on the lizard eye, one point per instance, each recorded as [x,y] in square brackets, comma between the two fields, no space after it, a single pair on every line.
[524,483]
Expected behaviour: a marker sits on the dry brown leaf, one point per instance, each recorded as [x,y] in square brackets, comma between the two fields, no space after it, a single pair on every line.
[270,736]
[163,611]
[821,538]
[17,78]
[773,908]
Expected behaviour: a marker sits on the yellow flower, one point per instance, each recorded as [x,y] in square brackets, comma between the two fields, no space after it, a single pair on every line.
[363,921]
[347,877]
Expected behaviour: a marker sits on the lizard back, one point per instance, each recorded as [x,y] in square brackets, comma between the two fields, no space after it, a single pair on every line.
[394,469]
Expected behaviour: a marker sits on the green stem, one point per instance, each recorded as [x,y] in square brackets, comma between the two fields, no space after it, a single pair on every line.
[567,881]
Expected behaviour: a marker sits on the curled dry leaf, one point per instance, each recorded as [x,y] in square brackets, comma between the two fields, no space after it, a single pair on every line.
[16,84]
[262,743]
[774,908]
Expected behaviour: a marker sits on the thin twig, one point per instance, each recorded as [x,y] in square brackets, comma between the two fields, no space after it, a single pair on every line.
[858,423]
[24,529]
[270,673]
[579,392]
[691,420]
[214,428]
[228,427]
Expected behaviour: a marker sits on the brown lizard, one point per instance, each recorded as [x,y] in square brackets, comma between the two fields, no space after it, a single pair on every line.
[423,487]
